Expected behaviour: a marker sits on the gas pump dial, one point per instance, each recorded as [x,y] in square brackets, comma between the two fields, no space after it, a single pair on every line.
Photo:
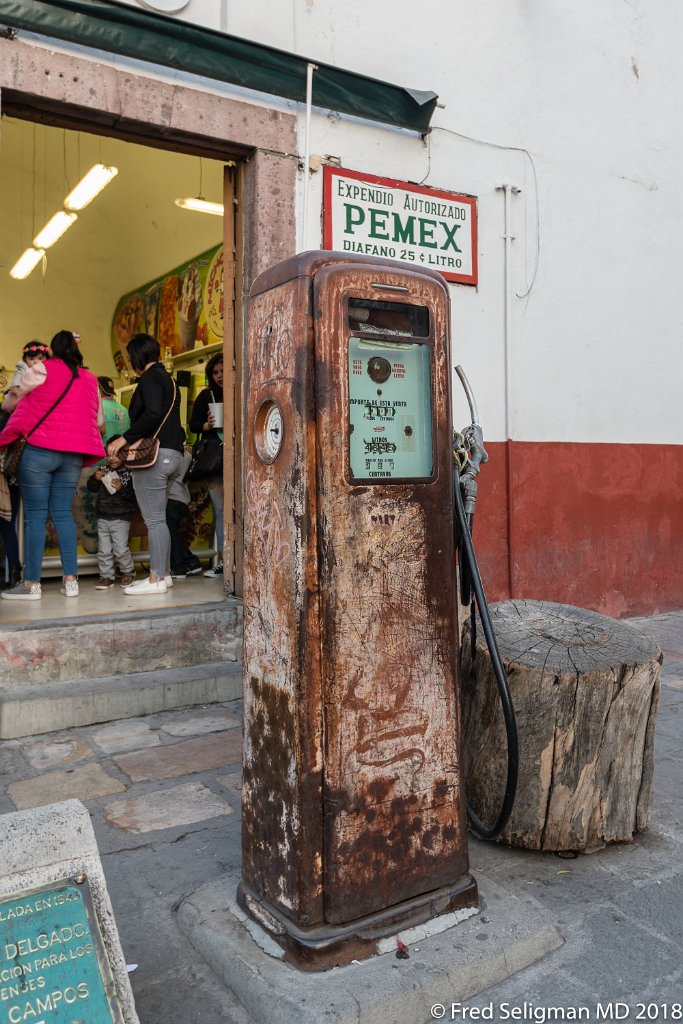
[379,369]
[268,431]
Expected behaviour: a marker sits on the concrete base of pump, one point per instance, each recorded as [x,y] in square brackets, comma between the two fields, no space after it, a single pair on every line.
[436,968]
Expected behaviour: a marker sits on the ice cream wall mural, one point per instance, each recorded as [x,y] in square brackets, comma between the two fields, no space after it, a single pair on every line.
[183,309]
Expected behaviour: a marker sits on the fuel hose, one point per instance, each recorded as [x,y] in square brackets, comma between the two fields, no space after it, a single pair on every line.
[468,565]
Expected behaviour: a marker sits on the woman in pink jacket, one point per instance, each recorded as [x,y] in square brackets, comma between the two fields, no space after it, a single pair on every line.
[59,418]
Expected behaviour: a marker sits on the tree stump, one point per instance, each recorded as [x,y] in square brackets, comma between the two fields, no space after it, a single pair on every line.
[585,689]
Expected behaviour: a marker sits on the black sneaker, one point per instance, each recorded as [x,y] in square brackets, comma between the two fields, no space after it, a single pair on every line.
[195,570]
[215,572]
[178,575]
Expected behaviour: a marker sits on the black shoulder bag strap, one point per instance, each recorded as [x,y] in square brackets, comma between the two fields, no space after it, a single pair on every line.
[173,401]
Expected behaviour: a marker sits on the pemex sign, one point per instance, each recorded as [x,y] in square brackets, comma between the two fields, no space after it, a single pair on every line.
[396,220]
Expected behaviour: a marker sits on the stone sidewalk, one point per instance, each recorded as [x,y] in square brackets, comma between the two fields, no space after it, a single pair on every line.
[164,795]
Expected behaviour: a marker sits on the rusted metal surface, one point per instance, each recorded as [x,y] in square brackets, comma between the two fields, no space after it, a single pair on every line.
[282,800]
[352,798]
[321,947]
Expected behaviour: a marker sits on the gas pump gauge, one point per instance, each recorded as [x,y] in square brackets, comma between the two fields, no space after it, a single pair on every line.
[268,431]
[379,369]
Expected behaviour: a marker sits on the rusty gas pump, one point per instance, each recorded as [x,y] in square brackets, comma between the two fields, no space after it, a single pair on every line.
[354,823]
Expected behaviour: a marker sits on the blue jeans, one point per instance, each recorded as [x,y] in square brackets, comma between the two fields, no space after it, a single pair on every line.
[48,483]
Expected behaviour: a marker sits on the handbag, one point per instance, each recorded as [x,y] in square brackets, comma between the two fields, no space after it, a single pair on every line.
[207,459]
[143,453]
[10,455]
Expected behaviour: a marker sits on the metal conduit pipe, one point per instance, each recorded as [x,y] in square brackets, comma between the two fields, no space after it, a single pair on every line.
[310,68]
[508,238]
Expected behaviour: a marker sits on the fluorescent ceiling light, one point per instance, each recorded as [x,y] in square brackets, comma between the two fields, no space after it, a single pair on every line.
[54,229]
[26,263]
[200,205]
[89,186]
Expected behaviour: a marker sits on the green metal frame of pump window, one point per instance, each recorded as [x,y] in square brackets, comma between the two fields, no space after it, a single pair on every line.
[119,28]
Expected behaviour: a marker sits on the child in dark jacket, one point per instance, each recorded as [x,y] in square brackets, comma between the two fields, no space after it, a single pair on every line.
[115,505]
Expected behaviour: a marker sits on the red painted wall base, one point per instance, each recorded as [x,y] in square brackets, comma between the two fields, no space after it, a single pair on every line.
[599,526]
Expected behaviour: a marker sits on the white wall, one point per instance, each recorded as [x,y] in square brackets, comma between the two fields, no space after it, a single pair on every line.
[590,91]
[210,13]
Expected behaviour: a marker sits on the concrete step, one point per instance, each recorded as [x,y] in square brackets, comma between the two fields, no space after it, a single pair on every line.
[32,708]
[97,645]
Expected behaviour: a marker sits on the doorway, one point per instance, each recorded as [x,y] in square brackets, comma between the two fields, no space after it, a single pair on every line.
[112,273]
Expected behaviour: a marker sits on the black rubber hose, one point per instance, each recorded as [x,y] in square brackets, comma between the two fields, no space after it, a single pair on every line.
[465,545]
[465,576]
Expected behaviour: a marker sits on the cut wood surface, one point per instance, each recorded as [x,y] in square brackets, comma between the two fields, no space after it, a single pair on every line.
[585,689]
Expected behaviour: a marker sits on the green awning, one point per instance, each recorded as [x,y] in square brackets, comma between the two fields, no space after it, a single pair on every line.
[145,35]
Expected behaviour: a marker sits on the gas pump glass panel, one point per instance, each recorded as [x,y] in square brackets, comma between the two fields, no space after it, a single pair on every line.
[377,316]
[390,410]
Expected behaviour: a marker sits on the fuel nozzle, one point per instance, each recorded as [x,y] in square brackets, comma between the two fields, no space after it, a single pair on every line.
[474,438]
[469,450]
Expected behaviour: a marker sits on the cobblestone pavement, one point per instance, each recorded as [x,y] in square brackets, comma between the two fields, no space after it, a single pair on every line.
[164,795]
[163,792]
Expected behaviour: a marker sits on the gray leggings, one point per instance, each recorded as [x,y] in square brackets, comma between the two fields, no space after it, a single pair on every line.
[151,488]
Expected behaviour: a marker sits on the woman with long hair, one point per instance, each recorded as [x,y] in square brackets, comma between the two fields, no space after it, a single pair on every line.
[154,412]
[59,417]
[202,422]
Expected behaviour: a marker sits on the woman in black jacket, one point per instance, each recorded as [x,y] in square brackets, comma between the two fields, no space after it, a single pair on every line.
[154,412]
[202,422]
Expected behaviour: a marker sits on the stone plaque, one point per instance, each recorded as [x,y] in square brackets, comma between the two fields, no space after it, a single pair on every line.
[53,966]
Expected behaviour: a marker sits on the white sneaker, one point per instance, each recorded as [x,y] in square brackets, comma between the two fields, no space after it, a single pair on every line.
[142,587]
[23,593]
[69,588]
[168,580]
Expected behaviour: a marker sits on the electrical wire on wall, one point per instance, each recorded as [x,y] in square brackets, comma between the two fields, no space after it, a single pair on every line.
[510,149]
[297,157]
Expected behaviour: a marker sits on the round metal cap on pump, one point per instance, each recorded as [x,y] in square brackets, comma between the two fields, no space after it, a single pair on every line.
[268,431]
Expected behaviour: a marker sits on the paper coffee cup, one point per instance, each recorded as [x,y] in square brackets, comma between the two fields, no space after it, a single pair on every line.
[216,410]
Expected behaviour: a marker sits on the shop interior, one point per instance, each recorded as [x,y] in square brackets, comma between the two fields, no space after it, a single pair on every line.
[131,259]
